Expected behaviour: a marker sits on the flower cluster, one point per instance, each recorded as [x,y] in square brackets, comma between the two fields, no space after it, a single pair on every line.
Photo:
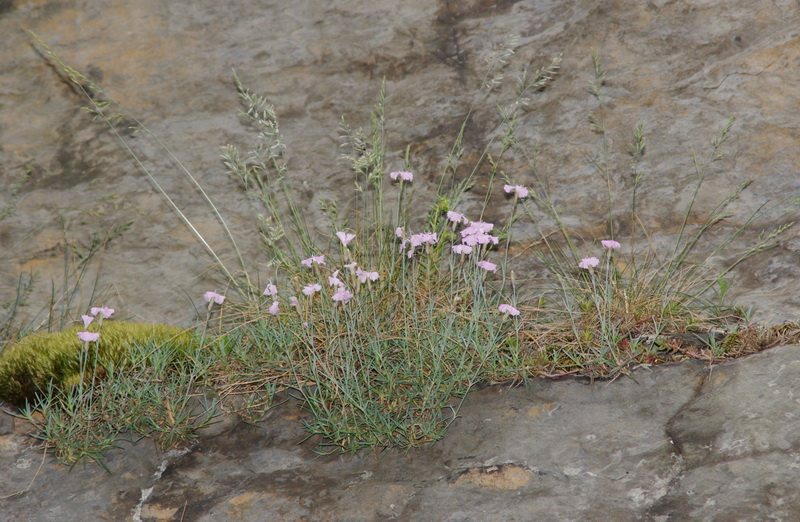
[477,233]
[475,238]
[474,235]
[92,337]
[415,241]
[589,263]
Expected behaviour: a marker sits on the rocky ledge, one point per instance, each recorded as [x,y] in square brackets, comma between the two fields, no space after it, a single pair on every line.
[674,442]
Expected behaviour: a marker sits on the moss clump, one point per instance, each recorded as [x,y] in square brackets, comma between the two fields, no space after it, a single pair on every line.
[30,364]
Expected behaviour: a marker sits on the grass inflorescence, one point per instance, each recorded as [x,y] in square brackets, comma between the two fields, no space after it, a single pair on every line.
[383,318]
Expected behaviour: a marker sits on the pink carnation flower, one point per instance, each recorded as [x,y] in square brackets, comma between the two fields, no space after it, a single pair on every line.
[294,302]
[518,190]
[588,263]
[402,176]
[313,260]
[480,239]
[271,290]
[476,228]
[104,311]
[89,337]
[423,238]
[363,276]
[334,280]
[312,289]
[610,244]
[487,265]
[345,237]
[456,217]
[87,320]
[417,240]
[508,310]
[342,295]
[398,232]
[274,308]
[462,249]
[208,297]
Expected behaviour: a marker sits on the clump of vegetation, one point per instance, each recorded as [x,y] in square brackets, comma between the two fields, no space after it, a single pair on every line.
[40,360]
[383,317]
[151,391]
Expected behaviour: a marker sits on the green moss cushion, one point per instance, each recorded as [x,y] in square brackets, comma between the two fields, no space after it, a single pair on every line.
[27,366]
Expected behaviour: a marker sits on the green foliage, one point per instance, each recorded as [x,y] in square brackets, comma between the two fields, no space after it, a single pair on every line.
[150,392]
[385,361]
[28,366]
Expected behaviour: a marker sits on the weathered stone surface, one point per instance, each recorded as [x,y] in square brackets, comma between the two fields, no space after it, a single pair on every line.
[668,443]
[681,68]
[33,487]
[6,422]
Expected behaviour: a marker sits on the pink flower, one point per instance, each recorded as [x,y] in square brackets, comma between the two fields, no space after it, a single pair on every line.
[342,295]
[313,260]
[588,263]
[508,309]
[424,238]
[104,311]
[271,290]
[480,239]
[87,320]
[273,309]
[345,237]
[89,337]
[398,232]
[294,302]
[334,280]
[208,297]
[476,228]
[462,249]
[610,244]
[402,176]
[417,240]
[312,289]
[364,276]
[518,190]
[456,217]
[487,265]
[351,266]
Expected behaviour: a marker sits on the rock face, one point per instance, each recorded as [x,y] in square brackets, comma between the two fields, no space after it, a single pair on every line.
[679,442]
[680,68]
[675,443]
